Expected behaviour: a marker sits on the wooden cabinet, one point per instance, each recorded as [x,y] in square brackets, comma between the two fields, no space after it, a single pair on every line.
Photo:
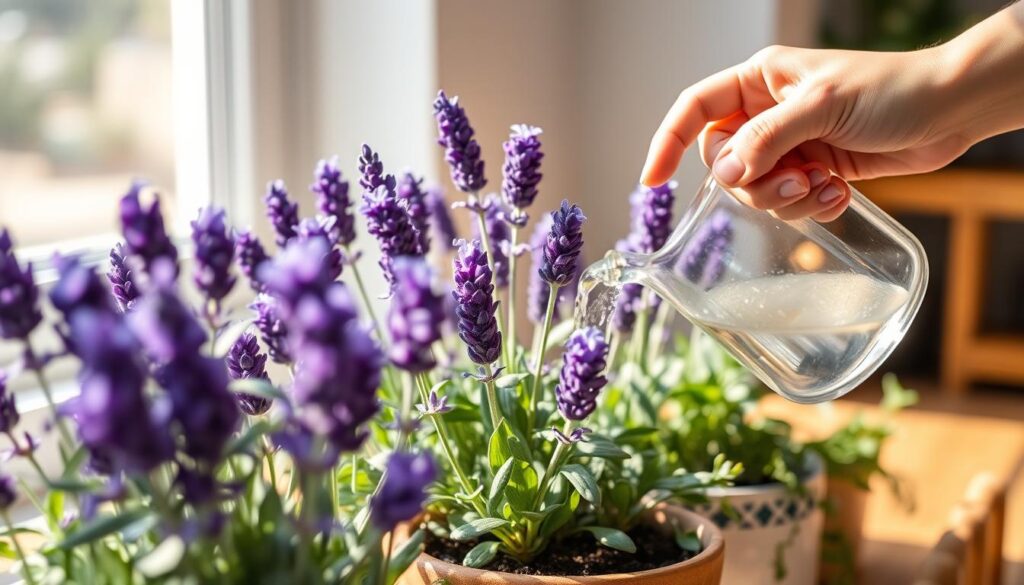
[970,199]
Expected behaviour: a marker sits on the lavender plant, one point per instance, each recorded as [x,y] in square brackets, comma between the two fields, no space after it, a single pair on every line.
[528,479]
[283,437]
[184,460]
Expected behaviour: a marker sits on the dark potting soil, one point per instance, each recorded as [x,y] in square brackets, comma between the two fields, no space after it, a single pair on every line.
[575,555]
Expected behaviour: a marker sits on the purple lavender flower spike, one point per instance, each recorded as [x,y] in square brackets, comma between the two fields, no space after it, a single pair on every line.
[9,416]
[298,271]
[122,279]
[202,405]
[651,224]
[653,217]
[166,329]
[115,421]
[272,328]
[250,254]
[19,295]
[388,220]
[581,380]
[567,294]
[8,493]
[404,490]
[196,386]
[563,246]
[705,256]
[245,361]
[144,232]
[339,372]
[416,315]
[474,295]
[410,190]
[283,214]
[538,290]
[78,287]
[440,219]
[371,170]
[522,166]
[499,236]
[332,199]
[338,364]
[461,151]
[214,253]
[323,227]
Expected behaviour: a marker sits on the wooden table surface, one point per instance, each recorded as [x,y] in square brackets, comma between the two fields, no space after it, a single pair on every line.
[937,453]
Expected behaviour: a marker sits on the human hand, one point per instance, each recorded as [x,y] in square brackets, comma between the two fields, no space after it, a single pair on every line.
[787,128]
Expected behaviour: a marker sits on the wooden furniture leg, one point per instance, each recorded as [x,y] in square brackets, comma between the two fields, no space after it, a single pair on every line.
[963,294]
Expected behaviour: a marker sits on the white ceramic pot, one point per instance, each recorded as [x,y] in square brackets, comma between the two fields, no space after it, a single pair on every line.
[776,533]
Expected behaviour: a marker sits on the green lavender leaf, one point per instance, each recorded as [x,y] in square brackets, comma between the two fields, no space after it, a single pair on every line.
[476,528]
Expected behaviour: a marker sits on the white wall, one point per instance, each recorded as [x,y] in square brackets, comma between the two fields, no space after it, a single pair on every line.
[510,63]
[636,57]
[333,74]
[597,75]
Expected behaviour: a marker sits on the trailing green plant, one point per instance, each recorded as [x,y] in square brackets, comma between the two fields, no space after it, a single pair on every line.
[852,454]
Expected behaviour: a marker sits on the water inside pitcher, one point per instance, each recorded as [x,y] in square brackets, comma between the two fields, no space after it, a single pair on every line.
[812,309]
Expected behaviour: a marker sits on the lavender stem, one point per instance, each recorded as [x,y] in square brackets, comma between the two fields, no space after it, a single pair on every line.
[17,547]
[442,437]
[545,480]
[556,456]
[492,397]
[373,316]
[65,435]
[512,343]
[366,299]
[270,462]
[662,320]
[640,335]
[539,356]
[355,468]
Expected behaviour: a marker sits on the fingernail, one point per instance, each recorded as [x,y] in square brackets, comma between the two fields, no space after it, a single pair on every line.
[644,174]
[729,169]
[791,188]
[830,193]
[817,177]
[716,140]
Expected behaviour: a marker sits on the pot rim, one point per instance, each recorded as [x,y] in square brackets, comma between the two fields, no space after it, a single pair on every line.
[712,539]
[816,470]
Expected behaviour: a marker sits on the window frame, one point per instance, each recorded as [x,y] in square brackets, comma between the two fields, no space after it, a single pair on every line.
[211,48]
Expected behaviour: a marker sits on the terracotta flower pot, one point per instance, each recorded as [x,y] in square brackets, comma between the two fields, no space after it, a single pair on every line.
[703,569]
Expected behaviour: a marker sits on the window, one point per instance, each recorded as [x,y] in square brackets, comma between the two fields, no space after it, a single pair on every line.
[86,106]
[94,93]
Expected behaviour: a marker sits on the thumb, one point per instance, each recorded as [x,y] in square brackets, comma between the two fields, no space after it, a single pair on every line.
[759,143]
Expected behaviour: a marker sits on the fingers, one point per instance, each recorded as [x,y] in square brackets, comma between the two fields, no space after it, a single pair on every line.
[824,203]
[776,190]
[793,190]
[714,98]
[716,134]
[759,144]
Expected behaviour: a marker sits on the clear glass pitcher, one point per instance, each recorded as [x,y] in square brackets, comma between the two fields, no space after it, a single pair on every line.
[812,309]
